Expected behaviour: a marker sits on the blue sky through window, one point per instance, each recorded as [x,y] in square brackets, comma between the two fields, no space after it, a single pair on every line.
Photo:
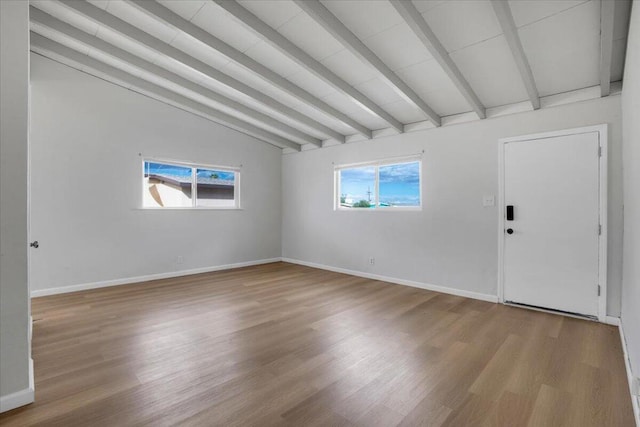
[164,169]
[215,174]
[358,184]
[399,184]
[183,171]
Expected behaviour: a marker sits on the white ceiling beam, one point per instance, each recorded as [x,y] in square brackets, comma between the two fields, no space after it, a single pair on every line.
[419,26]
[340,32]
[97,44]
[505,18]
[113,23]
[277,40]
[160,13]
[46,47]
[607,14]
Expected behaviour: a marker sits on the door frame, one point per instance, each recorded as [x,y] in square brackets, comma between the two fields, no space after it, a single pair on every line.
[602,131]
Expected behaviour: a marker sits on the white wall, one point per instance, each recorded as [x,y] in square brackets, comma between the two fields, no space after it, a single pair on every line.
[15,349]
[452,242]
[631,151]
[87,186]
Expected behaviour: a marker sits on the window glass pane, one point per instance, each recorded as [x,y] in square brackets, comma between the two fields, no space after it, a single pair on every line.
[400,184]
[357,187]
[167,185]
[216,188]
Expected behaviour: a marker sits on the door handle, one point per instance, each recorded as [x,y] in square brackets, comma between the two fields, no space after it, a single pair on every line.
[509,230]
[34,244]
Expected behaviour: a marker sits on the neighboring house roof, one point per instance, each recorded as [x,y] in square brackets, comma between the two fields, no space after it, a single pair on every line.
[184,181]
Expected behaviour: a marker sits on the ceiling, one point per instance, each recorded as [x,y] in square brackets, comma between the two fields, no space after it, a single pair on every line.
[306,73]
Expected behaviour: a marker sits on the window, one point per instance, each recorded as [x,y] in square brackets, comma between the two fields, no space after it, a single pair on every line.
[179,185]
[387,185]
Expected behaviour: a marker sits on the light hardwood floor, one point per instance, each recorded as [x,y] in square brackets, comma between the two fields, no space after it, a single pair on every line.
[282,344]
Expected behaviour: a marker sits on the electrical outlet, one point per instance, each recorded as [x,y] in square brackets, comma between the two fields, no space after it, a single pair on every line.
[179,260]
[372,260]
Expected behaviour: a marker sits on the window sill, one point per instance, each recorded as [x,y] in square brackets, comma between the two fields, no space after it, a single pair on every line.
[398,209]
[188,209]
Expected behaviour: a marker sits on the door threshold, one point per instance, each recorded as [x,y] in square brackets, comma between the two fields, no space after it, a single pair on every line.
[552,311]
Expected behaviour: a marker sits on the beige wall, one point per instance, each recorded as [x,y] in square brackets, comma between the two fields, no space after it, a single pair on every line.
[14,129]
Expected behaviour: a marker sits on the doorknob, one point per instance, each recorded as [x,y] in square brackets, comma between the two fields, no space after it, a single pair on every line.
[509,230]
[34,244]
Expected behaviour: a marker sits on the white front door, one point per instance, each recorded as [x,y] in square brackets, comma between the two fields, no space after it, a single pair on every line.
[551,227]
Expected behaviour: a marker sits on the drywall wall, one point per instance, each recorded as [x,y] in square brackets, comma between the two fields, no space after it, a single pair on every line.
[15,352]
[452,242]
[86,182]
[631,167]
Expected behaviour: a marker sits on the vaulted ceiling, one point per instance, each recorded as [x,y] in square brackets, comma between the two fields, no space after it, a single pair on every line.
[307,73]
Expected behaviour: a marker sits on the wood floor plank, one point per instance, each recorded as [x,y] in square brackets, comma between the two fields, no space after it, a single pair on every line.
[427,413]
[491,382]
[551,408]
[513,410]
[287,345]
[475,410]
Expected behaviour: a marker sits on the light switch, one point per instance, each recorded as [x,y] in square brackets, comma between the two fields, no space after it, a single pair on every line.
[488,201]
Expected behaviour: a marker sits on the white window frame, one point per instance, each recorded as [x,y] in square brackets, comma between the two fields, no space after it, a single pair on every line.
[194,185]
[377,164]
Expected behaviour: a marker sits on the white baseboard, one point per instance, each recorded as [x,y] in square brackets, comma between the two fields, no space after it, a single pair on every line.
[610,320]
[140,279]
[427,286]
[627,363]
[19,398]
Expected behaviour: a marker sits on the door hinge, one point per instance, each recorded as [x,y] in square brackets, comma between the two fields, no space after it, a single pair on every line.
[600,151]
[599,229]
[598,290]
